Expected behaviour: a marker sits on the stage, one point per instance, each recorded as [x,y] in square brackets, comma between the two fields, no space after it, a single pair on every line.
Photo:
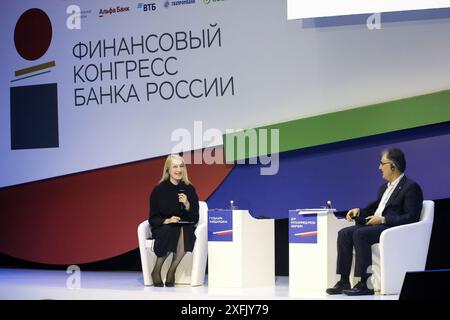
[29,284]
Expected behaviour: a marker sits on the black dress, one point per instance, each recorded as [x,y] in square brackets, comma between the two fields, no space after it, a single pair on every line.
[164,204]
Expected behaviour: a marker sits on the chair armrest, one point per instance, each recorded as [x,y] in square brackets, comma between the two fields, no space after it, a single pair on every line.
[397,242]
[402,235]
[200,255]
[144,233]
[201,232]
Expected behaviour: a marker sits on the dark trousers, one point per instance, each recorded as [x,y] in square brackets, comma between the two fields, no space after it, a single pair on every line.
[360,237]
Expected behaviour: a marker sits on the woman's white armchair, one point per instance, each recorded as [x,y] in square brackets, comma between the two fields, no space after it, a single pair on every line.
[191,270]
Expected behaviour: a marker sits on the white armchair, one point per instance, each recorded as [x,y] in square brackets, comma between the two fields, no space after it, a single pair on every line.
[401,249]
[191,270]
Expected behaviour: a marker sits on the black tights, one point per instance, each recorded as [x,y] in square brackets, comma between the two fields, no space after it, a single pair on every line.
[177,257]
[156,273]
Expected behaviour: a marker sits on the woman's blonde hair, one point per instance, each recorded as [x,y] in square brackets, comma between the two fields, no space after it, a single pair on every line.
[168,164]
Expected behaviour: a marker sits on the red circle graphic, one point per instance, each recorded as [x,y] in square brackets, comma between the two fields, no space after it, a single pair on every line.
[33,34]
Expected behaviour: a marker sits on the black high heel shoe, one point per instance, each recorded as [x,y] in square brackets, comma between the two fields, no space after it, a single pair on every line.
[157,283]
[170,283]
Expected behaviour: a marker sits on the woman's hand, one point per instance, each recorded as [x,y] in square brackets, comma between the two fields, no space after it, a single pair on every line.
[184,200]
[172,219]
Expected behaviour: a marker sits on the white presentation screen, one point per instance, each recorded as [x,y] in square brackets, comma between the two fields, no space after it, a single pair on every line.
[300,9]
[91,84]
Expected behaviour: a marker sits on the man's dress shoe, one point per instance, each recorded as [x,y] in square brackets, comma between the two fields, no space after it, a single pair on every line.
[338,287]
[360,289]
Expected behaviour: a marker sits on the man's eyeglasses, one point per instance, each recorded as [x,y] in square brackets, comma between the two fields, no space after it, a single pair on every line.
[383,163]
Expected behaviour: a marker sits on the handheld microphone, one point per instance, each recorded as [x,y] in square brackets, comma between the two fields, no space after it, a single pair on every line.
[181,190]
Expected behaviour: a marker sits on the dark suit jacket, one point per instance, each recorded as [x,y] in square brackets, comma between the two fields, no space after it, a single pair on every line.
[404,206]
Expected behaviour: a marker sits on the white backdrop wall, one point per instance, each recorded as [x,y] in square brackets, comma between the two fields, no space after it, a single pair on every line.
[298,9]
[280,72]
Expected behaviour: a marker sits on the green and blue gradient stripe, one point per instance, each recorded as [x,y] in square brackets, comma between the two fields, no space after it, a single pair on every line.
[349,124]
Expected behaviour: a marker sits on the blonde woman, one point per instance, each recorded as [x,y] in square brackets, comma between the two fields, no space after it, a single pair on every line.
[173,214]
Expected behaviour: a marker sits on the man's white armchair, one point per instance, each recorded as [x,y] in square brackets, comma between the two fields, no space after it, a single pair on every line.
[191,270]
[401,249]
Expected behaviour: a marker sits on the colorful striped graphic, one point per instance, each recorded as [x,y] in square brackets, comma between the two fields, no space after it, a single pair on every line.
[38,67]
[222,233]
[350,124]
[306,234]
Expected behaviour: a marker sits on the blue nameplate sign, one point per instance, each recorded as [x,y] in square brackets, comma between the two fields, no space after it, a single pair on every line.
[220,225]
[302,227]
